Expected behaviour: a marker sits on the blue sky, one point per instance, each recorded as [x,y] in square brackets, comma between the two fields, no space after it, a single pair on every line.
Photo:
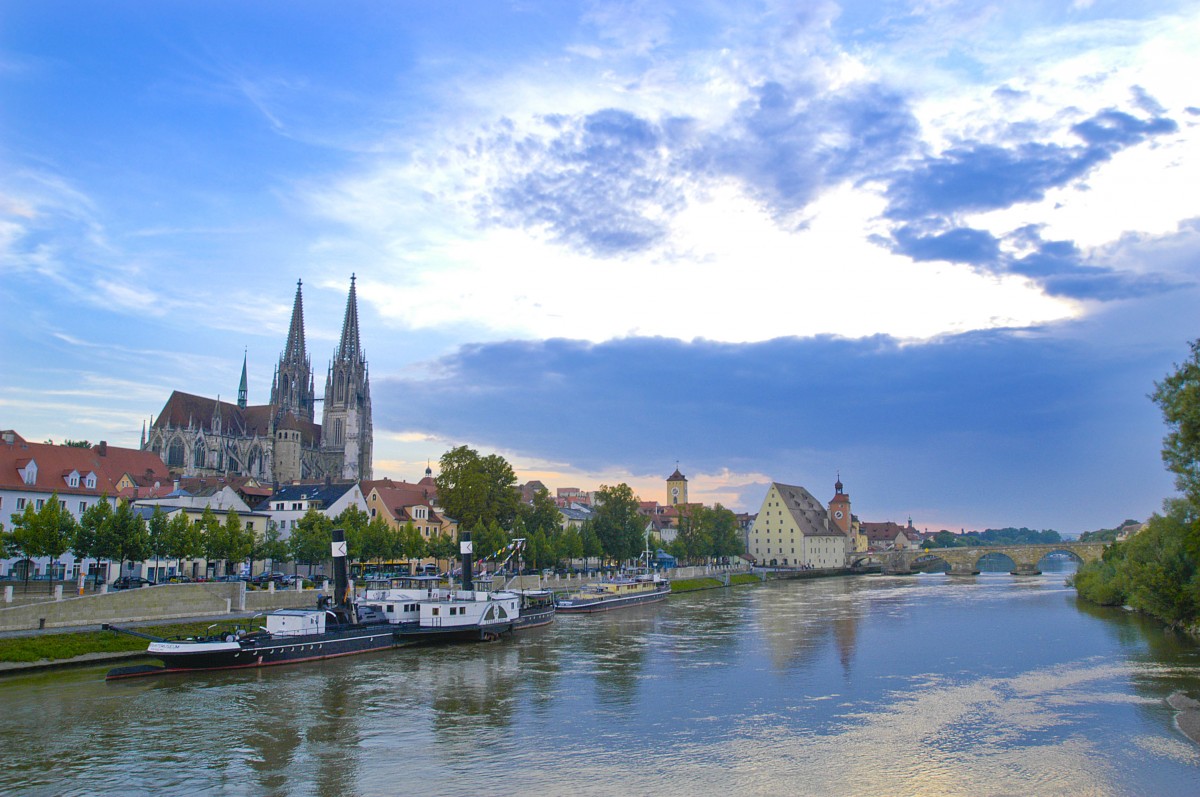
[942,248]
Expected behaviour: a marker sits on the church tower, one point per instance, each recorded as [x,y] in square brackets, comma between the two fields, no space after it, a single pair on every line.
[292,387]
[346,430]
[677,488]
[839,508]
[242,389]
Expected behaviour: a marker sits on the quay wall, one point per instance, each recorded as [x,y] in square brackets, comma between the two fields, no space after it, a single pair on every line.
[163,602]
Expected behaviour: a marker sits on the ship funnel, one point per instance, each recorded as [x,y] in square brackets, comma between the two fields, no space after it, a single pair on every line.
[341,579]
[465,550]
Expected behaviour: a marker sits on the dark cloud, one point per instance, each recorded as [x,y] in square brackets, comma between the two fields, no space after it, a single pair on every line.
[599,185]
[786,144]
[943,417]
[927,198]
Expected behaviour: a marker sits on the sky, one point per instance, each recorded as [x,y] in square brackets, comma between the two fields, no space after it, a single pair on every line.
[941,249]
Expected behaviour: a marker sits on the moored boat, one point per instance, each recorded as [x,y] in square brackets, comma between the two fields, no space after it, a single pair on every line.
[537,608]
[333,628]
[615,593]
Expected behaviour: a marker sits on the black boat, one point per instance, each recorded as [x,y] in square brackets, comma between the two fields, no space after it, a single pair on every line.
[537,608]
[337,628]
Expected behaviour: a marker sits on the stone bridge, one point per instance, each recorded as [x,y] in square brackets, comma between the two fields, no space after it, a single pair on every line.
[965,561]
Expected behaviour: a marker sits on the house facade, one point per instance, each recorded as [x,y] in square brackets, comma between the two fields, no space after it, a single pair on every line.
[794,529]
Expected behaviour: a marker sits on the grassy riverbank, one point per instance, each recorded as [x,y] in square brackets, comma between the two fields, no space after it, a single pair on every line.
[692,584]
[59,647]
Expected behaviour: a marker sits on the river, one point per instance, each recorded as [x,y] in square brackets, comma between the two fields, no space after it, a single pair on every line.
[925,685]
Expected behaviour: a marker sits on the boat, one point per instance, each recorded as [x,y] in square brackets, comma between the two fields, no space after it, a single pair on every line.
[537,608]
[419,609]
[615,593]
[644,585]
[333,628]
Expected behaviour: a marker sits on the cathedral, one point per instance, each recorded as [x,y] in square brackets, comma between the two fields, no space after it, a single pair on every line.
[278,442]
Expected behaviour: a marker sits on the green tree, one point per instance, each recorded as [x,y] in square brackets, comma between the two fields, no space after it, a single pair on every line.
[157,535]
[592,547]
[22,540]
[442,548]
[724,533]
[477,490]
[92,523]
[124,537]
[185,539]
[273,546]
[1178,397]
[310,539]
[694,532]
[617,522]
[354,522]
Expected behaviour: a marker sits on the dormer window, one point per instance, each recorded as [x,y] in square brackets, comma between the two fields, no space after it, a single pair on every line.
[90,481]
[420,513]
[28,472]
[73,479]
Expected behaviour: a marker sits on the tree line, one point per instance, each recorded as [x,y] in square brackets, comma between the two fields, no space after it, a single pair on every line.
[1157,570]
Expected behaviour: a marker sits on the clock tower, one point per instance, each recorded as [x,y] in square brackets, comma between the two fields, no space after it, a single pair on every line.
[677,488]
[839,508]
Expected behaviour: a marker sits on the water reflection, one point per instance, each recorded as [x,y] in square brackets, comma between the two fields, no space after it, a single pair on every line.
[917,685]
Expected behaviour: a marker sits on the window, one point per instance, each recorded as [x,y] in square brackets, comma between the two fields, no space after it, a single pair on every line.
[20,503]
[279,505]
[73,479]
[62,504]
[40,503]
[249,525]
[90,482]
[297,506]
[434,611]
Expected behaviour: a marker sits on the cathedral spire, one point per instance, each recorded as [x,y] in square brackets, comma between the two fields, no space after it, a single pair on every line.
[242,386]
[294,351]
[350,347]
[293,389]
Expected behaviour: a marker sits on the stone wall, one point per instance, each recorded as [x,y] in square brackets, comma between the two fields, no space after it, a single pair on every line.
[165,602]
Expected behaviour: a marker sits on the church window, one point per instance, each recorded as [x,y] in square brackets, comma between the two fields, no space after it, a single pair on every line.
[175,454]
[199,456]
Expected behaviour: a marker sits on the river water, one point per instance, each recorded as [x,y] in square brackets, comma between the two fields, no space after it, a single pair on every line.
[926,685]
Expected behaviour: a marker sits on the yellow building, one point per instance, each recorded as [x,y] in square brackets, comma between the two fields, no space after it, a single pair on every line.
[793,529]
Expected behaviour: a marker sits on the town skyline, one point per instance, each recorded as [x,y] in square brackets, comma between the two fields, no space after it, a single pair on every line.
[943,251]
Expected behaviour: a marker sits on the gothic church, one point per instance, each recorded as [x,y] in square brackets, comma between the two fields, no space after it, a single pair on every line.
[280,441]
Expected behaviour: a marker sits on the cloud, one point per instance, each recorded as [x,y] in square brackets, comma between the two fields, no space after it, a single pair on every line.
[1014,410]
[600,184]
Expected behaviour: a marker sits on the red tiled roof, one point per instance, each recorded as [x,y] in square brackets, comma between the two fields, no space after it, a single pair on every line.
[54,463]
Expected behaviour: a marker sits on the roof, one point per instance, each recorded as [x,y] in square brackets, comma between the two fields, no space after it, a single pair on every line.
[326,494]
[887,531]
[677,477]
[184,410]
[809,513]
[55,464]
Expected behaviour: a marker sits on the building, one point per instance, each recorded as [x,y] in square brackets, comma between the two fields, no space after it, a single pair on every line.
[280,441]
[33,473]
[793,529]
[889,536]
[677,488]
[291,502]
[400,503]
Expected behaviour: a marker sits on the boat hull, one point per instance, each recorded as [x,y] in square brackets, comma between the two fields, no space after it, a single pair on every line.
[256,651]
[605,604]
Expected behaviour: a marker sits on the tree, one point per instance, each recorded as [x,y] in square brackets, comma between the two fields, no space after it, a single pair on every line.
[311,538]
[22,540]
[724,533]
[354,522]
[185,540]
[477,490]
[273,547]
[694,537]
[123,538]
[157,533]
[89,535]
[592,547]
[442,548]
[617,522]
[1178,396]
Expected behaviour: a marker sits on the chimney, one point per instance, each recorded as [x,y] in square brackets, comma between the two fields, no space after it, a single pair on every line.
[102,449]
[341,580]
[465,551]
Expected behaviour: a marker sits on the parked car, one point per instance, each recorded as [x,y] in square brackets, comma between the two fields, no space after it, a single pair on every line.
[131,582]
[233,578]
